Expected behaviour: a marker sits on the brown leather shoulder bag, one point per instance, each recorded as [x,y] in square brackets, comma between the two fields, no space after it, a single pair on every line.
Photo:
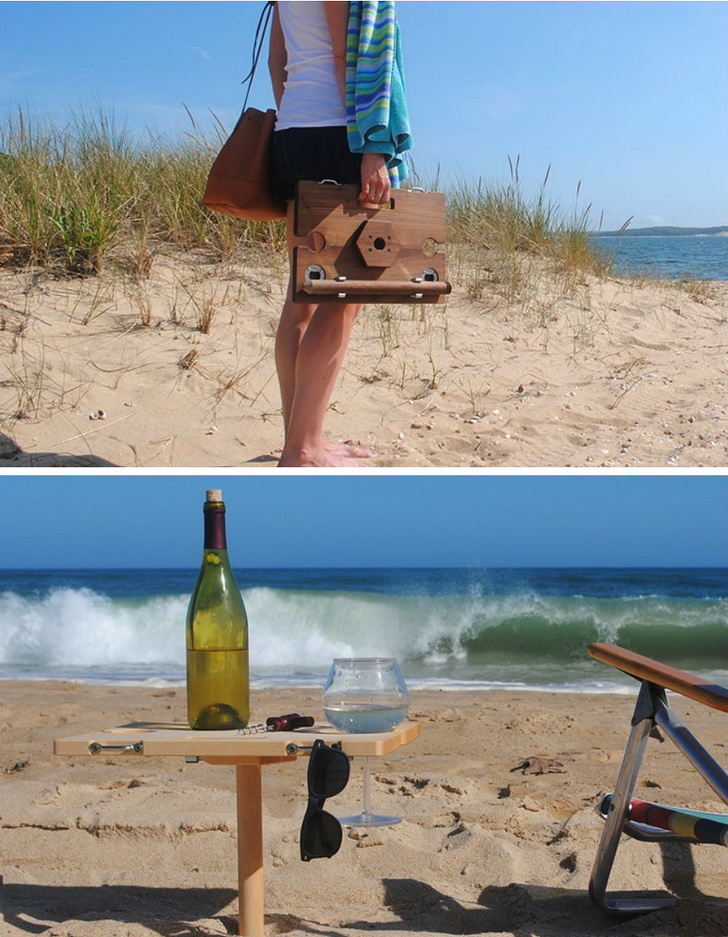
[239,180]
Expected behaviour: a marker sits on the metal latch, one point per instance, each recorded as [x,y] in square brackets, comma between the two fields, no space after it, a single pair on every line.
[96,747]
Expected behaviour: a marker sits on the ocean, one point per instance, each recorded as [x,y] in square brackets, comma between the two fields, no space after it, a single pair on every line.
[668,257]
[515,629]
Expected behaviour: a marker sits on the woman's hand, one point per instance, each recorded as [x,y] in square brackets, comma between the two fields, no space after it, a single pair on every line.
[375,185]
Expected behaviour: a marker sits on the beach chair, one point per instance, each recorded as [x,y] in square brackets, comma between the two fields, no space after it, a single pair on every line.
[342,252]
[643,820]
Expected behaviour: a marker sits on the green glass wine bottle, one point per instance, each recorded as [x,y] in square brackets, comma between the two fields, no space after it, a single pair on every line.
[218,693]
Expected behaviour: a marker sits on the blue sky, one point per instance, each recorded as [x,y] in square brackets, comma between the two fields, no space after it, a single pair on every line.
[65,521]
[628,98]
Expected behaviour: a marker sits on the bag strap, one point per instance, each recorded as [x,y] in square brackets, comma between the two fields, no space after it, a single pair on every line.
[258,46]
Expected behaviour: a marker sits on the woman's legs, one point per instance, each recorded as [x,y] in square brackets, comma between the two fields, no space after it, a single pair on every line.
[312,337]
[310,347]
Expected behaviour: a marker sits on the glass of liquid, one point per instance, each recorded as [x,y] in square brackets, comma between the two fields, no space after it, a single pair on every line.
[365,694]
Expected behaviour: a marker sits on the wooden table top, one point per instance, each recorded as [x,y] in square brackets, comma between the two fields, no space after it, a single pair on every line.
[158,738]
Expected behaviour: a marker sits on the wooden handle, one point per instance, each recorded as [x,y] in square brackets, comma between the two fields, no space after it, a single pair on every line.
[645,668]
[381,287]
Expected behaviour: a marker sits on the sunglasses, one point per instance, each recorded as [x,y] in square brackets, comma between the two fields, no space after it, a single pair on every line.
[328,775]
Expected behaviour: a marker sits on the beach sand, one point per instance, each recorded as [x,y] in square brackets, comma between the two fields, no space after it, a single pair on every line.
[113,846]
[558,371]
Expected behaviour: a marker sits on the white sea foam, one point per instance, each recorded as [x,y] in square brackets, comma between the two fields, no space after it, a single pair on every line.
[520,639]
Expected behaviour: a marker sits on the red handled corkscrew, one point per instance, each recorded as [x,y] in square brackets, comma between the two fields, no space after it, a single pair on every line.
[288,723]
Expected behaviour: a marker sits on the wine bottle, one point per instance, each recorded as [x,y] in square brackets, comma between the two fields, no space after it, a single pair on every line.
[217,634]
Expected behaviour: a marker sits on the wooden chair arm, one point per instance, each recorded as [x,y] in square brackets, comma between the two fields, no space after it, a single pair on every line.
[644,668]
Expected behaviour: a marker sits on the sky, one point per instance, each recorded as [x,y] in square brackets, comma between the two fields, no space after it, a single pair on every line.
[120,521]
[626,102]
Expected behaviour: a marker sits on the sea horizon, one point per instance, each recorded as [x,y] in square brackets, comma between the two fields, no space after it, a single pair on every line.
[665,256]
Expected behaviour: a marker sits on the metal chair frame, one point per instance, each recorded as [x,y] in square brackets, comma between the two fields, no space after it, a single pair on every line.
[651,709]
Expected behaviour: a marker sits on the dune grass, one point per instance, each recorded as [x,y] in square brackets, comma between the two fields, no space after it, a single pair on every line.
[77,197]
[506,240]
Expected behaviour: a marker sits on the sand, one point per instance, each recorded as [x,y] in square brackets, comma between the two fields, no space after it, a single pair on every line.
[561,371]
[113,846]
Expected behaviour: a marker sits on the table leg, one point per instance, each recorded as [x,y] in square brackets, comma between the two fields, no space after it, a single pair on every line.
[250,849]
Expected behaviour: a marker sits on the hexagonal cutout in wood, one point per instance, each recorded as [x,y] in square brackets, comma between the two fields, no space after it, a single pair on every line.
[378,244]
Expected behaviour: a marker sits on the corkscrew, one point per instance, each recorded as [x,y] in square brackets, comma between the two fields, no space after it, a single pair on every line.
[287,723]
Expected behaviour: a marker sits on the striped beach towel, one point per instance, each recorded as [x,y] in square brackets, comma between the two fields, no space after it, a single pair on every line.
[376,106]
[689,824]
[692,824]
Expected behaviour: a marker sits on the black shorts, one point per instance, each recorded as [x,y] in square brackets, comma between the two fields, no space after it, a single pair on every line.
[314,153]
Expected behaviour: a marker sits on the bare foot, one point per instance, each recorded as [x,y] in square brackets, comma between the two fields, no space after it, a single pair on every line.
[325,455]
[349,450]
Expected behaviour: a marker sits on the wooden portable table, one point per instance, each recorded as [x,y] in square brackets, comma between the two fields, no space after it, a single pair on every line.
[248,753]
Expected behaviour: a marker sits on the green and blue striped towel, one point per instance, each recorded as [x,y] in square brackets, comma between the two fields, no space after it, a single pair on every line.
[376,106]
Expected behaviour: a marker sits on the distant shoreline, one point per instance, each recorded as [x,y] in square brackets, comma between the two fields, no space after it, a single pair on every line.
[721,231]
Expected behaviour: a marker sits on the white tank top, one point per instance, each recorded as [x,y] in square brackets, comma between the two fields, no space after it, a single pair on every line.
[311,97]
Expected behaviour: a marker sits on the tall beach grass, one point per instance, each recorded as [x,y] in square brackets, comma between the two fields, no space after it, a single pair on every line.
[78,196]
[507,240]
[75,196]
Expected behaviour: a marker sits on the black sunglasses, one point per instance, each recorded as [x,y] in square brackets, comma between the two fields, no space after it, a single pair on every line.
[328,775]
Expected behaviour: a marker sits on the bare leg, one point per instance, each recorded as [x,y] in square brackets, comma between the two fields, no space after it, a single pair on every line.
[310,349]
[294,321]
[311,343]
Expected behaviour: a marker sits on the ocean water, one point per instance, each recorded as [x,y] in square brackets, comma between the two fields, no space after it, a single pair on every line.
[668,257]
[450,628]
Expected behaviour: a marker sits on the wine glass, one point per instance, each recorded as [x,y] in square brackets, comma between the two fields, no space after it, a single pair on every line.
[365,694]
